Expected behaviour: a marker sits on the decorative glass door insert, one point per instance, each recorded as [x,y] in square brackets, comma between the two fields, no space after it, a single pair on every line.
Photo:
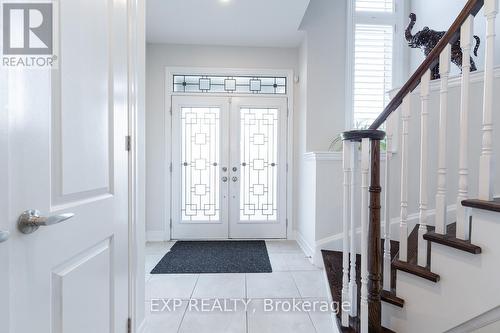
[259,157]
[200,163]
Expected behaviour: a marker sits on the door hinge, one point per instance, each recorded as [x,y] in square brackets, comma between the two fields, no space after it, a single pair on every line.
[170,167]
[129,325]
[128,143]
[170,110]
[287,167]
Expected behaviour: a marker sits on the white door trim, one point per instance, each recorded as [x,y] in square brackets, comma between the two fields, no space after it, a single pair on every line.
[137,161]
[169,72]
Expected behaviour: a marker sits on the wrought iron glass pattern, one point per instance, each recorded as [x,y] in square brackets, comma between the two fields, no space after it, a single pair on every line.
[230,84]
[259,156]
[200,153]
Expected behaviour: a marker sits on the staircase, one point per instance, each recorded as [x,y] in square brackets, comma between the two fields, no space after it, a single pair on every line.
[433,279]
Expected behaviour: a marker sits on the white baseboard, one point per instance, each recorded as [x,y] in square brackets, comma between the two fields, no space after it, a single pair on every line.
[304,245]
[155,236]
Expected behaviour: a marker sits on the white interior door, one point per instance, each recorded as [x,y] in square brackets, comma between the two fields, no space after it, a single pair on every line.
[66,155]
[229,167]
[258,167]
[199,167]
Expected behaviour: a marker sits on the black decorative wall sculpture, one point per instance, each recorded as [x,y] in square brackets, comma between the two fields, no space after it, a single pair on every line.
[427,39]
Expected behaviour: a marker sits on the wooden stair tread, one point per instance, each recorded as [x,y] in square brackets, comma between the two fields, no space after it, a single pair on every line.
[449,239]
[413,246]
[391,298]
[420,271]
[333,268]
[493,205]
[411,265]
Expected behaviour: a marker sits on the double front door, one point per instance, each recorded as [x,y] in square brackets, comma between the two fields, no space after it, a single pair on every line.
[229,167]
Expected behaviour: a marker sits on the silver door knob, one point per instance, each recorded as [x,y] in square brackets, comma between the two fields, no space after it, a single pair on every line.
[224,179]
[30,220]
[4,235]
[235,179]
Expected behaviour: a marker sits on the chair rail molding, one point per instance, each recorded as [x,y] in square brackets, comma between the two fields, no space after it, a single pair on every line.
[323,156]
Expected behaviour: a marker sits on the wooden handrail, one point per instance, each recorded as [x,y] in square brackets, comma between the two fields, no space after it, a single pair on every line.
[373,237]
[451,36]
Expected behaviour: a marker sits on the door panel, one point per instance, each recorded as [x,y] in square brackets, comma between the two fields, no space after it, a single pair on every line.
[229,167]
[67,130]
[258,153]
[199,160]
[92,267]
[81,75]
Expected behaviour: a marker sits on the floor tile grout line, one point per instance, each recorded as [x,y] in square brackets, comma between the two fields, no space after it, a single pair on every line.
[182,318]
[312,322]
[190,297]
[246,310]
[296,285]
[290,270]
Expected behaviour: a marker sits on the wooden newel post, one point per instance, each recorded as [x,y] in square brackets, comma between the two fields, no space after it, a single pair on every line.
[371,254]
[374,243]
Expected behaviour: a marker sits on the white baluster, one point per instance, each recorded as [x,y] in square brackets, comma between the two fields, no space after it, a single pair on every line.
[444,71]
[347,159]
[463,172]
[424,158]
[365,168]
[486,169]
[353,286]
[387,208]
[403,224]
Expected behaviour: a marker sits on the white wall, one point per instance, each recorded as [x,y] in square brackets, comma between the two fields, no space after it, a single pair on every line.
[475,136]
[325,26]
[160,56]
[321,94]
[439,15]
[325,172]
[303,202]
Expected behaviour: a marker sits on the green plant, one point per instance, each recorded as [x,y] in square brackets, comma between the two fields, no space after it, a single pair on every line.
[336,143]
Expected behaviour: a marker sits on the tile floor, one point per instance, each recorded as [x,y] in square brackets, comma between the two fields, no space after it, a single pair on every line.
[293,278]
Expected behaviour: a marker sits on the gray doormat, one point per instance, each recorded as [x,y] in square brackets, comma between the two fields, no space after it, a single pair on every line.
[215,257]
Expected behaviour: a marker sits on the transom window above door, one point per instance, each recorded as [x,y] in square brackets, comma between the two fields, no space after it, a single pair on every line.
[264,85]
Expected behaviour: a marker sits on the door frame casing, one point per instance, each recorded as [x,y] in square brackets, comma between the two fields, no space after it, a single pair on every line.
[169,72]
[136,87]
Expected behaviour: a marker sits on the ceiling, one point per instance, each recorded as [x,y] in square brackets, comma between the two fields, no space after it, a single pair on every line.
[225,22]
